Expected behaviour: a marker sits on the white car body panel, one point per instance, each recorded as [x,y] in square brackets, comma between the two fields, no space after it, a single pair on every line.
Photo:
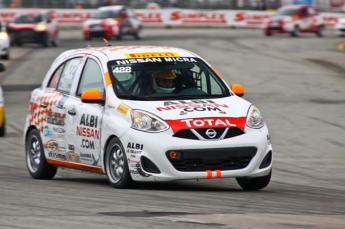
[80,139]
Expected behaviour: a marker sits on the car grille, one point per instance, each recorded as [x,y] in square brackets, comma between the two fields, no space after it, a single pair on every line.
[274,28]
[198,160]
[201,133]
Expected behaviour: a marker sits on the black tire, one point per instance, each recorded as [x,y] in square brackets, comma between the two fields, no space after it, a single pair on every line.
[3,128]
[35,158]
[116,165]
[55,42]
[296,32]
[45,40]
[119,36]
[138,34]
[254,183]
[319,31]
[6,56]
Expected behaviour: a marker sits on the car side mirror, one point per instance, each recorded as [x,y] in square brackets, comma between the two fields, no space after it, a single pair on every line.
[237,89]
[2,67]
[92,96]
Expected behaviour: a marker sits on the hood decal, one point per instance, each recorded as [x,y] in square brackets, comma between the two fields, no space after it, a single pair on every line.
[219,122]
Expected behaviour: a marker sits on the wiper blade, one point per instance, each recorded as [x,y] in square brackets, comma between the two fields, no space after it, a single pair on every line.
[133,97]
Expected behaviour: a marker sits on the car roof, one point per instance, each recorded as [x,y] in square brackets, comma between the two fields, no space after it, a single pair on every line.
[124,52]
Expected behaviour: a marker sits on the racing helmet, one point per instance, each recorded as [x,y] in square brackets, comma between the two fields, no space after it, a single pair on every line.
[163,81]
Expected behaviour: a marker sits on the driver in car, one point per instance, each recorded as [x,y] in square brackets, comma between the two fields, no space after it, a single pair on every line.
[164,81]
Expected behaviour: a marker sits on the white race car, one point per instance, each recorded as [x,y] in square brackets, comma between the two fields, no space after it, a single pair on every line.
[144,114]
[339,28]
[4,42]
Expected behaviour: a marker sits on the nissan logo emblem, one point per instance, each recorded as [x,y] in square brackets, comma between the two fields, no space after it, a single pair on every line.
[211,133]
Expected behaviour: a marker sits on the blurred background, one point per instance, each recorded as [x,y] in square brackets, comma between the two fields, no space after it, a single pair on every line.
[323,5]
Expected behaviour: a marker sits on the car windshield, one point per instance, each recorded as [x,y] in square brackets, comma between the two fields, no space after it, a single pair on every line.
[165,78]
[102,14]
[28,18]
[286,11]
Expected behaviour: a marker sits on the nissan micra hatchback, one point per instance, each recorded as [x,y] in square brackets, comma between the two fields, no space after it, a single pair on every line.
[143,114]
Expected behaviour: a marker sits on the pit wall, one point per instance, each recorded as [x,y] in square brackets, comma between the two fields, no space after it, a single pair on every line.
[69,18]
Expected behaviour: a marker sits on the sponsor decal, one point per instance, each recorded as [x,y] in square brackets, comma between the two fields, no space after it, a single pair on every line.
[74,157]
[62,101]
[198,17]
[59,130]
[151,54]
[71,148]
[56,118]
[123,109]
[154,60]
[268,139]
[250,18]
[90,121]
[177,125]
[190,106]
[150,17]
[134,148]
[87,144]
[95,161]
[47,132]
[86,157]
[57,156]
[51,145]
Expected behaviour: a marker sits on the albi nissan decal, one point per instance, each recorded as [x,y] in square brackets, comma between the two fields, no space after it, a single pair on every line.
[91,122]
[220,122]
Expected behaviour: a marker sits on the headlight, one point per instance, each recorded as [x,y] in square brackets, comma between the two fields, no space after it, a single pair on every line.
[254,119]
[3,36]
[147,122]
[41,27]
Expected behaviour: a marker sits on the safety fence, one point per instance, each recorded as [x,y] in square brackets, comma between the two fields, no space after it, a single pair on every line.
[173,17]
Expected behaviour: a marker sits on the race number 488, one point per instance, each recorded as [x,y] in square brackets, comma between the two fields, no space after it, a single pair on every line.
[122,69]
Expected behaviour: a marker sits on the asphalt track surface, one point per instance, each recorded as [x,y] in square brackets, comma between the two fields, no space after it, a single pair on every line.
[297,83]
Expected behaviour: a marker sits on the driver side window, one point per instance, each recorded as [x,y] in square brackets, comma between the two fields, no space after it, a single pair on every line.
[91,78]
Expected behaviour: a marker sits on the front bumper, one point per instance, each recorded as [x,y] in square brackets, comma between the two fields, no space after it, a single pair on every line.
[241,156]
[27,37]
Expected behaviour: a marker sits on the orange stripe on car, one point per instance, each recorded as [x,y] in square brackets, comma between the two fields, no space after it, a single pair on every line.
[107,79]
[74,165]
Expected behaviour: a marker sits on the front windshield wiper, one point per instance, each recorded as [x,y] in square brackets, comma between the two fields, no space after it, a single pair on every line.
[133,97]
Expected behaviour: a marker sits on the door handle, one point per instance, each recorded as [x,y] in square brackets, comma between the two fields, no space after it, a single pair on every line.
[43,105]
[72,112]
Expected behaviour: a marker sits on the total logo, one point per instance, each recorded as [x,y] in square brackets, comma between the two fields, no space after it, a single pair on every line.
[220,122]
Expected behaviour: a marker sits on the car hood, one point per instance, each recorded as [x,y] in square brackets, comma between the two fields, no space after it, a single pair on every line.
[197,113]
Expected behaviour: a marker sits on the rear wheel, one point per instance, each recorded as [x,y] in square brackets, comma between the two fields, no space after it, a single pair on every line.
[116,165]
[35,158]
[254,183]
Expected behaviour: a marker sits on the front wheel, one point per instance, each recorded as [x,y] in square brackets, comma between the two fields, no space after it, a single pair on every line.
[254,183]
[35,158]
[116,165]
[296,32]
